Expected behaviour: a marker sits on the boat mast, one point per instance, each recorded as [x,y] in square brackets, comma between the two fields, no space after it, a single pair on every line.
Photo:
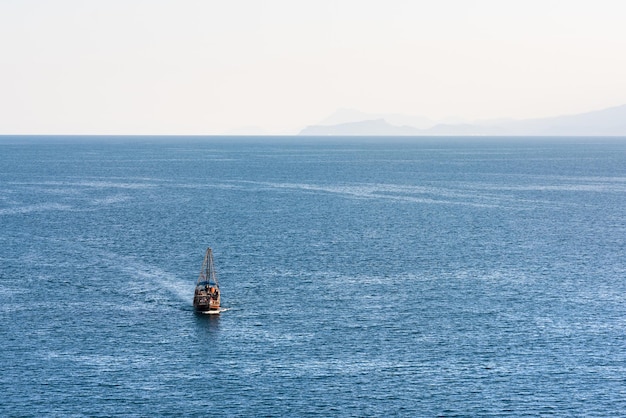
[208,271]
[212,269]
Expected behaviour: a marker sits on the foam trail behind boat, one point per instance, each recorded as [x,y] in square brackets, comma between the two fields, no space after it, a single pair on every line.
[161,278]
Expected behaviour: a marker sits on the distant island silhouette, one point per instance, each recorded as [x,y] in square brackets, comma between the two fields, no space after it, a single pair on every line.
[606,122]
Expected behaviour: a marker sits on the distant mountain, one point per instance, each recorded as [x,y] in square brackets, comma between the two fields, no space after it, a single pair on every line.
[607,122]
[342,116]
[377,127]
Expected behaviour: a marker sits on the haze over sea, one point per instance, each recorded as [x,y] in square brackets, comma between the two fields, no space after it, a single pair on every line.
[363,277]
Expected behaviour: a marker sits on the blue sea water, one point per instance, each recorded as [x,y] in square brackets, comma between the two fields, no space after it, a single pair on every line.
[362,277]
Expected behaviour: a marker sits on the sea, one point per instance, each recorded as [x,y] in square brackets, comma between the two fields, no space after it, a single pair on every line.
[360,277]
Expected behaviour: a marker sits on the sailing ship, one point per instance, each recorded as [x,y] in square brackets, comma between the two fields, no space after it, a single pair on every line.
[206,298]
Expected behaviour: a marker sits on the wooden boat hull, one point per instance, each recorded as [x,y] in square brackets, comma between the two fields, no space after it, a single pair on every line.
[201,305]
[207,309]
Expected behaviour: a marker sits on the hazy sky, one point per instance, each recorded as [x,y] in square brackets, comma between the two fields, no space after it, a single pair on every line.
[207,67]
